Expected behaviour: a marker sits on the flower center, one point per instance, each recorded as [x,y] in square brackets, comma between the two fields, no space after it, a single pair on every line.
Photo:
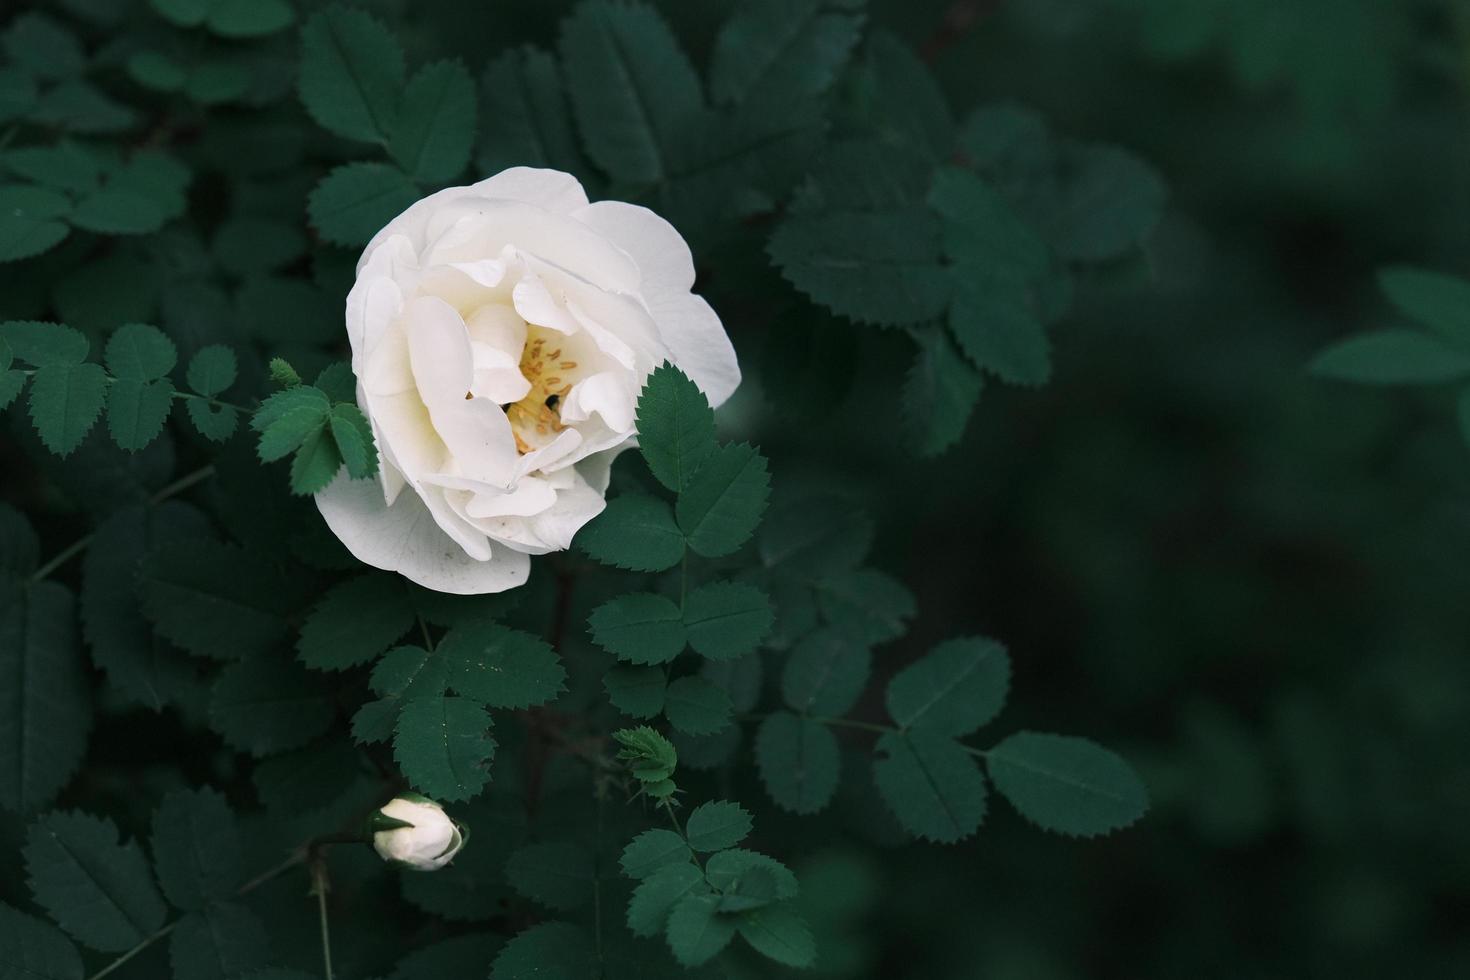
[536,418]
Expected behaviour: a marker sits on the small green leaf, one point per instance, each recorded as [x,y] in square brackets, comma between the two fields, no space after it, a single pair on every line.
[444,747]
[355,200]
[799,762]
[140,352]
[315,464]
[214,422]
[955,689]
[44,344]
[727,869]
[559,875]
[222,941]
[43,46]
[212,370]
[37,950]
[137,411]
[826,673]
[772,52]
[779,933]
[196,848]
[410,672]
[717,825]
[867,604]
[696,707]
[636,532]
[267,704]
[640,627]
[723,502]
[676,426]
[65,401]
[658,893]
[1067,785]
[648,755]
[697,931]
[727,620]
[215,600]
[354,438]
[116,211]
[99,889]
[1439,302]
[352,74]
[932,784]
[30,220]
[551,949]
[939,393]
[501,667]
[636,691]
[652,851]
[435,128]
[1392,357]
[526,119]
[250,18]
[355,622]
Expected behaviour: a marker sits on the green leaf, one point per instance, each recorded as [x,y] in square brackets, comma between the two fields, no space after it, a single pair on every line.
[315,465]
[211,370]
[772,52]
[444,747]
[939,393]
[44,709]
[955,689]
[1109,203]
[20,549]
[196,848]
[460,956]
[696,707]
[265,705]
[214,422]
[44,344]
[527,122]
[355,622]
[640,627]
[636,532]
[636,691]
[501,667]
[1438,301]
[558,875]
[30,220]
[648,755]
[97,888]
[903,100]
[137,411]
[1067,785]
[250,18]
[80,107]
[779,933]
[116,211]
[11,385]
[724,500]
[658,893]
[215,600]
[931,783]
[37,950]
[798,761]
[375,721]
[156,71]
[354,438]
[727,869]
[355,200]
[221,942]
[352,74]
[826,673]
[676,426]
[411,672]
[551,949]
[287,419]
[867,604]
[140,352]
[1392,357]
[43,46]
[727,620]
[65,401]
[311,779]
[634,92]
[755,889]
[879,267]
[697,931]
[717,825]
[652,851]
[435,129]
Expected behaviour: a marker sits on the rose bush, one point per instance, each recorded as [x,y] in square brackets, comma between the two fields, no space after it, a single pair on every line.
[500,334]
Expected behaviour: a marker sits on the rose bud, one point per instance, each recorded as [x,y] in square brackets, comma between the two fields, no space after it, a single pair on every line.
[415,832]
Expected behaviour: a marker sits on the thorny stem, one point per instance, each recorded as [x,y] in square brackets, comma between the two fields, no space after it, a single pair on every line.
[78,546]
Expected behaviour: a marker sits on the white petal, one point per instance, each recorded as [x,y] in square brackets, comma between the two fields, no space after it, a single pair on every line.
[692,331]
[549,189]
[609,394]
[405,538]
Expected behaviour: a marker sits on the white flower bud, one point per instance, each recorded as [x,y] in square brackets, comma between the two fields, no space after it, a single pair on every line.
[428,840]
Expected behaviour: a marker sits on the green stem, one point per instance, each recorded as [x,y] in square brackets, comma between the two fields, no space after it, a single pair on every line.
[683,577]
[866,726]
[148,941]
[321,904]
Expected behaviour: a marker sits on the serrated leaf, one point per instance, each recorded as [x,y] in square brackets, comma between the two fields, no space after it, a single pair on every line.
[727,869]
[140,352]
[648,755]
[697,931]
[676,426]
[137,411]
[444,747]
[636,532]
[955,689]
[1438,301]
[215,600]
[826,672]
[354,438]
[931,783]
[658,893]
[640,627]
[558,875]
[44,344]
[267,704]
[435,128]
[98,889]
[636,691]
[551,949]
[249,18]
[315,464]
[652,851]
[44,707]
[779,933]
[355,622]
[411,672]
[501,667]
[939,393]
[867,604]
[36,950]
[30,220]
[717,825]
[211,370]
[903,100]
[375,721]
[798,761]
[459,956]
[633,90]
[117,211]
[775,51]
[11,385]
[214,422]
[310,779]
[727,620]
[356,199]
[696,707]
[1392,357]
[1067,785]
[289,429]
[722,504]
[20,549]
[352,74]
[65,402]
[1107,205]
[740,678]
[196,848]
[222,941]
[527,122]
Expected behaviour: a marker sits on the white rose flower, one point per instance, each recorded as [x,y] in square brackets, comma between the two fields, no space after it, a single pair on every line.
[429,842]
[500,335]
